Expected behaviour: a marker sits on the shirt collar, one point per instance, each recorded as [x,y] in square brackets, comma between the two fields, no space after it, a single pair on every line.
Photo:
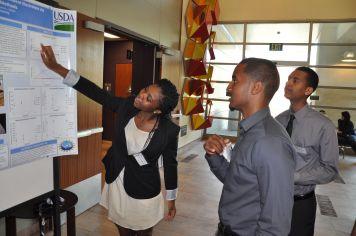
[301,113]
[249,122]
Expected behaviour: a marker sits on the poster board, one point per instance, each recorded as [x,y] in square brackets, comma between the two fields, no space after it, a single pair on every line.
[38,114]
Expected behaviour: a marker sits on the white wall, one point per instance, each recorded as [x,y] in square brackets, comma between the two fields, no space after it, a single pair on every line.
[185,120]
[254,10]
[156,19]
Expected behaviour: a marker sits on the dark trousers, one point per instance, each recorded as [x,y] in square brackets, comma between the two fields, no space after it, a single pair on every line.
[353,232]
[224,231]
[129,232]
[303,218]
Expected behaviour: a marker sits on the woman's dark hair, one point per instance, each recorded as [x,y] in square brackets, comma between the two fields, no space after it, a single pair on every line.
[346,115]
[167,103]
[170,96]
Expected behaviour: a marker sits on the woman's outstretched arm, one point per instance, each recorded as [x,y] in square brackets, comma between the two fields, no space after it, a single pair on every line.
[79,83]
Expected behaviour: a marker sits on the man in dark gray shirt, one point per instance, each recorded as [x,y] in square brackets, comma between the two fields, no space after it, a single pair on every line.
[257,196]
[315,140]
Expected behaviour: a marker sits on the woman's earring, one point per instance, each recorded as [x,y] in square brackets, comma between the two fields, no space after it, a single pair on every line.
[156,112]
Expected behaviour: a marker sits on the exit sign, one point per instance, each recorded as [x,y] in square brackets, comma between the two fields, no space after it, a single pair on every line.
[276,47]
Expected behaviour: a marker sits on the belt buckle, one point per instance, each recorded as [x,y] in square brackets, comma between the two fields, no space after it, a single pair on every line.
[304,196]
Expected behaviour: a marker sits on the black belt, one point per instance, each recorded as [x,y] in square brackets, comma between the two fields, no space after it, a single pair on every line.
[225,230]
[304,196]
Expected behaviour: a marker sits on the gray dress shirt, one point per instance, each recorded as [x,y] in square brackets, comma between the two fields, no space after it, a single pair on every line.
[257,197]
[315,140]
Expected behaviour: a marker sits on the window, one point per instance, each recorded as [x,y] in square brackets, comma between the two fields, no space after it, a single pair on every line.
[278,33]
[334,32]
[229,33]
[331,55]
[227,53]
[289,53]
[322,46]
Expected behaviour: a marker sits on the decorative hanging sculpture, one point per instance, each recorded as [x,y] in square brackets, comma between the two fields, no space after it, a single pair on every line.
[199,18]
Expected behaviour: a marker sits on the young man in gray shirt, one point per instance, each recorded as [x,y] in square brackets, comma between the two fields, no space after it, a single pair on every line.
[315,140]
[257,196]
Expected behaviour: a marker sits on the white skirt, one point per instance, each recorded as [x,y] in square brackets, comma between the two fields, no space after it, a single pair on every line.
[128,212]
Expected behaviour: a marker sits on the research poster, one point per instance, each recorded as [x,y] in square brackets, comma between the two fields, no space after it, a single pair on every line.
[38,114]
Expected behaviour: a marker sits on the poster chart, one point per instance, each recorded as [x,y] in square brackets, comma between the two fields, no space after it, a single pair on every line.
[38,113]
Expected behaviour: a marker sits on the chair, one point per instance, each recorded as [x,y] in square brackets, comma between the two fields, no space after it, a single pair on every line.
[344,146]
[342,150]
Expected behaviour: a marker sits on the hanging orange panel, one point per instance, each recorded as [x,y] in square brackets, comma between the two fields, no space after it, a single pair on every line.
[199,122]
[194,50]
[194,68]
[193,87]
[207,75]
[192,105]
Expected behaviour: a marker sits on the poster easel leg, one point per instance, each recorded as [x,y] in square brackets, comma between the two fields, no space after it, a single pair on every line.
[56,202]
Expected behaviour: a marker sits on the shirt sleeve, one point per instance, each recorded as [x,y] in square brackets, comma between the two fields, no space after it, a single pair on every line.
[92,91]
[273,161]
[218,165]
[324,170]
[171,194]
[71,79]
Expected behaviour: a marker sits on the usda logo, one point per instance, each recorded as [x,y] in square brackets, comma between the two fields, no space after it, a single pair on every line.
[63,20]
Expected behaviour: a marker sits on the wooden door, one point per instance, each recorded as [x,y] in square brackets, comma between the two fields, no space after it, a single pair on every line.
[123,79]
[115,53]
[143,68]
[90,58]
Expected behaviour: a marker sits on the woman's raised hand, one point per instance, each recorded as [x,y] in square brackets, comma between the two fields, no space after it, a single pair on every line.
[49,59]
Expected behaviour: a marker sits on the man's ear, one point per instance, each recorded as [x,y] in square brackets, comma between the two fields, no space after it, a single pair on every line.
[308,91]
[257,87]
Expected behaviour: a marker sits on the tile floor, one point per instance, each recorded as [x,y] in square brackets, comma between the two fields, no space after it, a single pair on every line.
[199,193]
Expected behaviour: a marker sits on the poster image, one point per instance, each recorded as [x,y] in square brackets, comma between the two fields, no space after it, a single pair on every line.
[38,115]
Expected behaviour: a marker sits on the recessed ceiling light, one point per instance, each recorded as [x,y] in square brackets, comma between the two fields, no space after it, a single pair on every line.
[107,35]
[348,60]
[349,57]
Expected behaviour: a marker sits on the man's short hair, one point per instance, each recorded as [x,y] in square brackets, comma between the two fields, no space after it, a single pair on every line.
[312,79]
[265,71]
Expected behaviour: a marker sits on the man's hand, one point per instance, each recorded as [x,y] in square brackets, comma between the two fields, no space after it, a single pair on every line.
[171,210]
[215,144]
